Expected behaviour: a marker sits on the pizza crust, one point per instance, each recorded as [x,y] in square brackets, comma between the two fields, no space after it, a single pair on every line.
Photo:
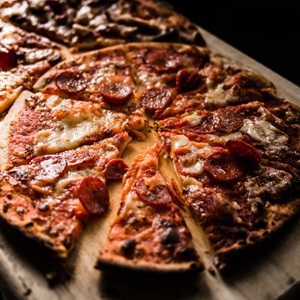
[6,127]
[127,267]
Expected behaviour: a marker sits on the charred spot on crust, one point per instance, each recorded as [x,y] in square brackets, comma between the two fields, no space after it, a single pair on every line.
[170,236]
[128,248]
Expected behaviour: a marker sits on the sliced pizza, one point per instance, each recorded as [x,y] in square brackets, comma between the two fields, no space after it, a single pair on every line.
[106,23]
[50,198]
[149,233]
[232,83]
[24,57]
[50,18]
[237,199]
[255,131]
[161,93]
[102,76]
[176,79]
[165,71]
[40,124]
[85,24]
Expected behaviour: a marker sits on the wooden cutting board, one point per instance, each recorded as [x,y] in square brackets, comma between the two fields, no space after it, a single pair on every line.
[270,272]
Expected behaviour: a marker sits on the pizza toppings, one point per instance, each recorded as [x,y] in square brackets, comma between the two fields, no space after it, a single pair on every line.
[71,82]
[221,166]
[156,195]
[93,195]
[115,169]
[227,120]
[162,60]
[24,57]
[58,193]
[8,58]
[243,150]
[149,229]
[269,183]
[155,99]
[50,168]
[92,25]
[189,81]
[116,93]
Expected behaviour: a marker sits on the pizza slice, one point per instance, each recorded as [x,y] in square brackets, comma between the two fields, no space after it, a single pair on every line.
[267,133]
[24,57]
[50,18]
[174,79]
[220,82]
[86,25]
[149,233]
[166,71]
[237,199]
[106,23]
[102,76]
[40,124]
[229,82]
[50,198]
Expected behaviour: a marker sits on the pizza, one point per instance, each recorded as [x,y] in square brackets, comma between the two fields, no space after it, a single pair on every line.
[90,24]
[40,124]
[117,112]
[238,171]
[149,229]
[24,57]
[50,198]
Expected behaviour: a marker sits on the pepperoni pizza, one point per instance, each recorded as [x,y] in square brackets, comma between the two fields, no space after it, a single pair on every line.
[24,57]
[205,153]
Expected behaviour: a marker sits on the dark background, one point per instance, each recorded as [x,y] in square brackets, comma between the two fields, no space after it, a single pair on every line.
[267,31]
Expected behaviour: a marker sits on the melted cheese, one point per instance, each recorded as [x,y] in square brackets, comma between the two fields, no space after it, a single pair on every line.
[188,163]
[191,183]
[63,138]
[194,169]
[72,176]
[193,119]
[218,97]
[264,132]
[271,183]
[181,141]
[74,129]
[223,138]
[132,204]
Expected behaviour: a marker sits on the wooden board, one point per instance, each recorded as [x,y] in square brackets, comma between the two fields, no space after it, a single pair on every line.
[271,272]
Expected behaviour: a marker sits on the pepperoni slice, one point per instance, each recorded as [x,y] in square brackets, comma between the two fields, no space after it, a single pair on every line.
[8,58]
[227,121]
[243,150]
[116,93]
[71,82]
[156,195]
[115,169]
[155,99]
[49,168]
[161,60]
[190,82]
[81,161]
[222,167]
[93,195]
